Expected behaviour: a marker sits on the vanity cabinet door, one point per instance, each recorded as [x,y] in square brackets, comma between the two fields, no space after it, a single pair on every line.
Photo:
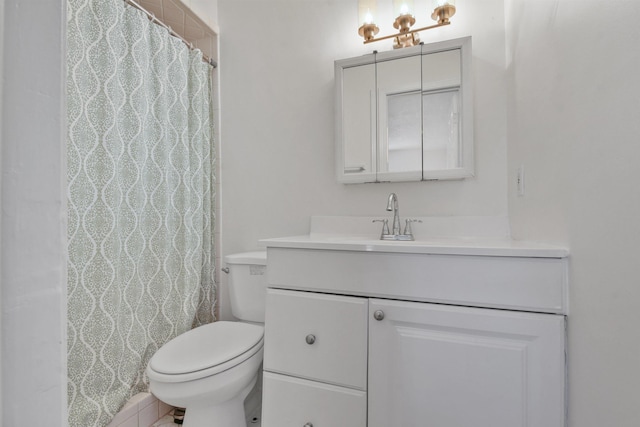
[439,365]
[294,402]
[317,336]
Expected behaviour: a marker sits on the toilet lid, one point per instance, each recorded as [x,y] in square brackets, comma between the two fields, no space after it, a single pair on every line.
[206,346]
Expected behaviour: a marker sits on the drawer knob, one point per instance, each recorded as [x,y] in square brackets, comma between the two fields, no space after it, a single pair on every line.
[308,425]
[378,315]
[310,339]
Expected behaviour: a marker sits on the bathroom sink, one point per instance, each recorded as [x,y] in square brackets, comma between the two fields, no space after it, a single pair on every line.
[442,246]
[480,236]
[342,238]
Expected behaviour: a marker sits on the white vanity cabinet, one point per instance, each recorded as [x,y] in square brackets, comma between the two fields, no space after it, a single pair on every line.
[318,337]
[439,365]
[316,361]
[418,347]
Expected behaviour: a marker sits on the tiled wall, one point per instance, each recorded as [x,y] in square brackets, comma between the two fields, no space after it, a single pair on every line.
[142,410]
[183,20]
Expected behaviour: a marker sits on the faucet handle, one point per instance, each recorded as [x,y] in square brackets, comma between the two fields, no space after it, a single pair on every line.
[385,225]
[407,226]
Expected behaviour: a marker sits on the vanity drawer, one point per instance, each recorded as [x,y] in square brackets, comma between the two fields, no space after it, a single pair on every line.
[294,402]
[316,336]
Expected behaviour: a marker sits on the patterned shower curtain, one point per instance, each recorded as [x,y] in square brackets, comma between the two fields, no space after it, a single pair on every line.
[140,182]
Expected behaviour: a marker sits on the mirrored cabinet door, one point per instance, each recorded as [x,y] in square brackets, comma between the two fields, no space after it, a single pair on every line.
[441,136]
[441,80]
[399,119]
[359,122]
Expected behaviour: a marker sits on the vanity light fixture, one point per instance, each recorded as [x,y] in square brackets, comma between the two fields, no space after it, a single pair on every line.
[403,10]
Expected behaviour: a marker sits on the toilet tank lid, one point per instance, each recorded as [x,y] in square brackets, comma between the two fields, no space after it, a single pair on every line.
[251,258]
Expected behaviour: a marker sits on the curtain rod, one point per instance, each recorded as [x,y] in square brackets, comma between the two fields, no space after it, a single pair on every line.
[153,19]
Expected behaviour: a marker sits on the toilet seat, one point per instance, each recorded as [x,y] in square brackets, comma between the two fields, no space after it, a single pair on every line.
[205,351]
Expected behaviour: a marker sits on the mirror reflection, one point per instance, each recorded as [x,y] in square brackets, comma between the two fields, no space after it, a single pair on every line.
[404,124]
[441,135]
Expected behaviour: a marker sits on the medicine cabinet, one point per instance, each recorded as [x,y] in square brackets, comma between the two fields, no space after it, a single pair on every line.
[405,115]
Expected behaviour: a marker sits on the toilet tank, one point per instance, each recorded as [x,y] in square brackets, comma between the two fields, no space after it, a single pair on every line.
[247,285]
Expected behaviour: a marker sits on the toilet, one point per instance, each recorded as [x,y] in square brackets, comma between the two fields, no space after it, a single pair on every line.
[211,369]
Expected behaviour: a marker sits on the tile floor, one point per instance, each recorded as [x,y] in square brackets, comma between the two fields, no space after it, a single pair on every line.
[142,410]
[145,410]
[253,420]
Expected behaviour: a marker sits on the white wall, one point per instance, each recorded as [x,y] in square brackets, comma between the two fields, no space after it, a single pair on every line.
[574,122]
[277,106]
[33,206]
[1,144]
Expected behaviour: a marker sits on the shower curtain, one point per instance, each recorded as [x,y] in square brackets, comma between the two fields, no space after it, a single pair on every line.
[140,197]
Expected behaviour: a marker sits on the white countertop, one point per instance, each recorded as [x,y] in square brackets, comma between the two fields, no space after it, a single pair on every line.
[439,246]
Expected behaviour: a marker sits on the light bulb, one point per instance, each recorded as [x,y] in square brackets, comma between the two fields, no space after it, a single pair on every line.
[368,17]
[366,12]
[402,7]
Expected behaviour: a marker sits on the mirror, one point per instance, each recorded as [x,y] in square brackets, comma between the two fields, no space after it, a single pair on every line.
[405,115]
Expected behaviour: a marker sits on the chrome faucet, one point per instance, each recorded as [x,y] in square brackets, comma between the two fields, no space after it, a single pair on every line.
[392,205]
[395,233]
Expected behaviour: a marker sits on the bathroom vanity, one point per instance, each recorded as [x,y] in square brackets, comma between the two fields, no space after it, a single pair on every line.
[443,332]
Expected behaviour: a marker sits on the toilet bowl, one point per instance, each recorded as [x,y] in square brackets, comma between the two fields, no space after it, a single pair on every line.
[211,369]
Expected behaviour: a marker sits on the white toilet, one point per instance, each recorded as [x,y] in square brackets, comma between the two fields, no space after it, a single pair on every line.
[211,369]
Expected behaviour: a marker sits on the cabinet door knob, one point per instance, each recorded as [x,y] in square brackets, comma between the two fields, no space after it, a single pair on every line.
[378,315]
[310,339]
